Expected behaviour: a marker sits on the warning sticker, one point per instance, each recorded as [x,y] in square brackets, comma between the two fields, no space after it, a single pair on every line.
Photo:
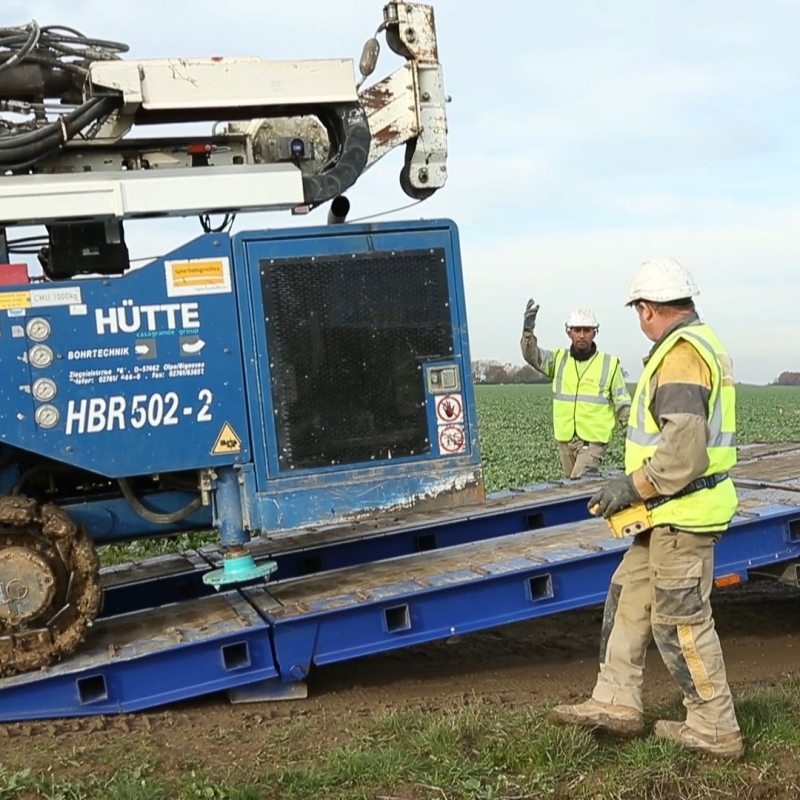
[9,300]
[227,442]
[198,276]
[67,296]
[449,409]
[40,298]
[452,439]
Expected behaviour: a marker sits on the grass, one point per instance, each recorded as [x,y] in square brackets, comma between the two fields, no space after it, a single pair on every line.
[475,753]
[147,548]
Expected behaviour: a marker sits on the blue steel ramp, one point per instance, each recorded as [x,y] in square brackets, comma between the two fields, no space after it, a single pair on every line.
[419,598]
[148,658]
[483,568]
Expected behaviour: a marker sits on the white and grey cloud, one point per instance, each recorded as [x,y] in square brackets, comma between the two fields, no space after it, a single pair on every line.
[585,137]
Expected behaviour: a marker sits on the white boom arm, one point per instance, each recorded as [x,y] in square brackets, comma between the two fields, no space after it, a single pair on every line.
[272,154]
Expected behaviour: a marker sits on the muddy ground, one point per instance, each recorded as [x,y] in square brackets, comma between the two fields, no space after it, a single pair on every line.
[528,664]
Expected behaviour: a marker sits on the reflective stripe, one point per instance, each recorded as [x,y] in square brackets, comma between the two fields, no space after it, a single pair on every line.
[559,379]
[640,407]
[716,436]
[703,342]
[713,509]
[638,436]
[558,383]
[697,669]
[604,374]
[622,390]
[580,398]
[576,412]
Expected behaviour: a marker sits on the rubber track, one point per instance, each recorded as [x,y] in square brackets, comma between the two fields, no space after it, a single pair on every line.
[63,626]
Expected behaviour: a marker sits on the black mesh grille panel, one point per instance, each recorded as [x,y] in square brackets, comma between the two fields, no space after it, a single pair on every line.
[347,337]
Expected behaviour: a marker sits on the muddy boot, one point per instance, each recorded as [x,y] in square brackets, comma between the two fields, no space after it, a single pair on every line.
[729,745]
[618,720]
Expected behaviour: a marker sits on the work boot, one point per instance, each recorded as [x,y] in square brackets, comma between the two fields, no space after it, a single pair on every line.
[618,720]
[729,745]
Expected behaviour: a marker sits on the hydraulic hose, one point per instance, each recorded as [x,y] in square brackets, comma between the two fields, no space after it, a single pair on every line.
[32,40]
[25,156]
[52,62]
[70,124]
[156,516]
[32,137]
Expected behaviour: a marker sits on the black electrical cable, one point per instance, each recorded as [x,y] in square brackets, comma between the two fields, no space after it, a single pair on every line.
[18,55]
[37,470]
[225,225]
[58,49]
[33,153]
[75,120]
[56,43]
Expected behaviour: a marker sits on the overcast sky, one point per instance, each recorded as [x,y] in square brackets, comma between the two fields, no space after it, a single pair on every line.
[585,137]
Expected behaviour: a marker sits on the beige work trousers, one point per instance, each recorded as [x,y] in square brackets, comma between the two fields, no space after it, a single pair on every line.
[581,458]
[661,591]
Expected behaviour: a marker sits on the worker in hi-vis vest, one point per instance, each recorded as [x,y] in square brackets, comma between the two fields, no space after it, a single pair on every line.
[676,499]
[589,392]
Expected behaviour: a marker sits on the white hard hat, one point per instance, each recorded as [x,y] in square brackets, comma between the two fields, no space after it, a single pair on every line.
[662,281]
[582,318]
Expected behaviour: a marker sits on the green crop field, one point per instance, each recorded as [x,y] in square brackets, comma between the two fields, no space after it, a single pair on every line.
[516,429]
[517,446]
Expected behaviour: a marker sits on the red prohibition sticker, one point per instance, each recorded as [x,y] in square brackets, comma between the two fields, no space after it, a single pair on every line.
[452,439]
[449,409]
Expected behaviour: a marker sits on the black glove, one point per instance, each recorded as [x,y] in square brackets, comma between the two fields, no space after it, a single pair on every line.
[531,310]
[617,494]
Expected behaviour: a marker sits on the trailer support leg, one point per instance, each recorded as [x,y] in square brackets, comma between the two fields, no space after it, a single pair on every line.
[268,691]
[238,565]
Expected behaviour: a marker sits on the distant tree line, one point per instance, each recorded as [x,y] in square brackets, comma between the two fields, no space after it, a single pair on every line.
[490,371]
[787,379]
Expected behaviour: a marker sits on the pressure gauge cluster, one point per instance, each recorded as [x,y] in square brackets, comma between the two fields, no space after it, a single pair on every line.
[41,356]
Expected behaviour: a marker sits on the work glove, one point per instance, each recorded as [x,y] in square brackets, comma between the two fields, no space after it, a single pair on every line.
[531,310]
[617,494]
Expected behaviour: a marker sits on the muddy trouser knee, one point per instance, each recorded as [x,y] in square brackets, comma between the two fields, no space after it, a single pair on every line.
[682,566]
[588,459]
[626,630]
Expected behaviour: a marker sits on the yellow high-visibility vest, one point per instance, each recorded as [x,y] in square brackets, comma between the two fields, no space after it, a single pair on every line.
[583,405]
[705,510]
